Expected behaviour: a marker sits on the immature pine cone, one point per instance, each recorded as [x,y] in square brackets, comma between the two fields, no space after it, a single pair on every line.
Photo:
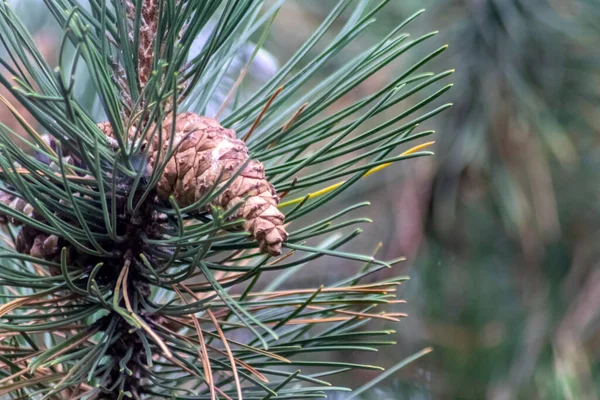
[203,149]
[206,149]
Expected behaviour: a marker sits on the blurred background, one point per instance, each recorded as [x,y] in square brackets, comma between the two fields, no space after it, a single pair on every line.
[501,227]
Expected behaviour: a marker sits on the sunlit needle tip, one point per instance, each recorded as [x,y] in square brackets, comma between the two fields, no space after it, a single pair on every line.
[369,172]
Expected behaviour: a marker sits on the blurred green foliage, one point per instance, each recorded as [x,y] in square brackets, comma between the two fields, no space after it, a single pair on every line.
[513,215]
[506,282]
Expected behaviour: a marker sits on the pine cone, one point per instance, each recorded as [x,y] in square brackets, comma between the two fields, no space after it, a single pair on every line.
[17,204]
[29,240]
[37,244]
[206,150]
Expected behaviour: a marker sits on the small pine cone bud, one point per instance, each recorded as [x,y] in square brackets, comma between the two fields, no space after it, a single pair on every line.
[205,151]
[147,34]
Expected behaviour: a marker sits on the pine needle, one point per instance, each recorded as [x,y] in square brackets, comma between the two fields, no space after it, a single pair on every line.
[203,352]
[262,113]
[238,385]
[337,185]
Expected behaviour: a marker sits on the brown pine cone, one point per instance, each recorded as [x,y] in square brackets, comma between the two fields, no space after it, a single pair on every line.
[29,240]
[205,150]
[17,204]
[37,244]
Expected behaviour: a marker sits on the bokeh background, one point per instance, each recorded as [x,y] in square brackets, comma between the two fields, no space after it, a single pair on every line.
[501,227]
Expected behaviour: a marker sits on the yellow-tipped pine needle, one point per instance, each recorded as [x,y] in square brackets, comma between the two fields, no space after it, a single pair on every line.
[369,172]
